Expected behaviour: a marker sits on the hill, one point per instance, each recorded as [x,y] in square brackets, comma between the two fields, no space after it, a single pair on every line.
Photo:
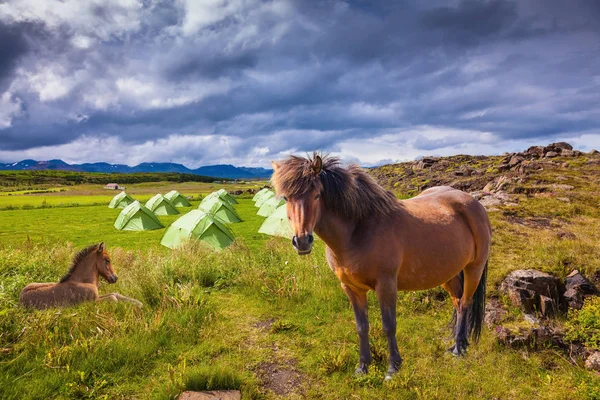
[216,171]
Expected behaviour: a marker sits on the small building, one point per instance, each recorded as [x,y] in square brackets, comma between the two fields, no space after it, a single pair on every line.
[114,186]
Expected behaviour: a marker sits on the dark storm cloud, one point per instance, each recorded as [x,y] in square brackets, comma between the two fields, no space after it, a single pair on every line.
[315,73]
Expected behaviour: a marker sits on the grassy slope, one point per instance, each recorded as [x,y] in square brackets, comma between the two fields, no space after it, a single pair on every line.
[220,320]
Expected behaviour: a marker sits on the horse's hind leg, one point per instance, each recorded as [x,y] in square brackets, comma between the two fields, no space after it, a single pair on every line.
[471,278]
[455,288]
[387,295]
[360,306]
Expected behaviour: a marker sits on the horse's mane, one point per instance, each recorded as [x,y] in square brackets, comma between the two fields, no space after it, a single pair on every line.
[349,192]
[79,257]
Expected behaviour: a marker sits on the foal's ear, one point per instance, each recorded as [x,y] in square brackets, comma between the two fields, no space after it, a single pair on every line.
[275,166]
[101,247]
[317,165]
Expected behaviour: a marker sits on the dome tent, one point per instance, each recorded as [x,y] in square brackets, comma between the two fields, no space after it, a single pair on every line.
[277,224]
[136,217]
[224,194]
[177,199]
[120,200]
[222,210]
[268,195]
[269,206]
[259,194]
[199,226]
[161,206]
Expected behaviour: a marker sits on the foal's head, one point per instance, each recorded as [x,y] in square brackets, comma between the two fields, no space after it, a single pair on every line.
[89,263]
[103,264]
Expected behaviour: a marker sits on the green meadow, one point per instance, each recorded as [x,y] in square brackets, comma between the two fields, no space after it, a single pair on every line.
[254,317]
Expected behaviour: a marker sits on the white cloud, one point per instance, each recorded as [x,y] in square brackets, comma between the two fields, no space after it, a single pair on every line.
[9,108]
[97,18]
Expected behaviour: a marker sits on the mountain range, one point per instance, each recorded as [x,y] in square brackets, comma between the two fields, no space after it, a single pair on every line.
[216,171]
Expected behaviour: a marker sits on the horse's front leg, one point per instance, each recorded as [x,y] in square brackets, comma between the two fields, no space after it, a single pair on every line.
[386,294]
[358,298]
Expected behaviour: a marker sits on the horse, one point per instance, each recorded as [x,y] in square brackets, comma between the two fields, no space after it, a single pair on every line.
[80,284]
[376,242]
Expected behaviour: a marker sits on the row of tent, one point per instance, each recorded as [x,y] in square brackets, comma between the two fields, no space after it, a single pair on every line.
[207,223]
[159,204]
[277,223]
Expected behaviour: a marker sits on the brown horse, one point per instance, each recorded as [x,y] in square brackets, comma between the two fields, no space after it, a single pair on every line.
[376,242]
[78,285]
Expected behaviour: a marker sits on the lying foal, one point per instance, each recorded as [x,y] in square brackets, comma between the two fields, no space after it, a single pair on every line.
[78,285]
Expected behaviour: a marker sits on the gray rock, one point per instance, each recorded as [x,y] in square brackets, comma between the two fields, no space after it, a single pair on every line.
[593,361]
[574,299]
[575,280]
[560,145]
[568,153]
[533,291]
[211,395]
[551,154]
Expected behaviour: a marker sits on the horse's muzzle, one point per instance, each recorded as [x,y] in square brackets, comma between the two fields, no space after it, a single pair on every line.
[303,244]
[113,278]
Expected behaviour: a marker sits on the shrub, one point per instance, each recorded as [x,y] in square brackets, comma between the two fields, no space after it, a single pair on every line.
[584,325]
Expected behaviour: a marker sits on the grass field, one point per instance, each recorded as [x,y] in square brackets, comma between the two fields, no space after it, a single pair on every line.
[255,317]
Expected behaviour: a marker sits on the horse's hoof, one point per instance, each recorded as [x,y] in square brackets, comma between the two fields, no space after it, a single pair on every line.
[361,370]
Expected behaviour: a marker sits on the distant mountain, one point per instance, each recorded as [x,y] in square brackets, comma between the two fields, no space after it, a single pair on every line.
[216,171]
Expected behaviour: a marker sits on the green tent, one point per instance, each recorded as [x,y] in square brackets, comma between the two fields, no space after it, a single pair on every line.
[200,226]
[136,217]
[222,210]
[121,200]
[269,206]
[224,194]
[277,224]
[161,206]
[215,197]
[259,194]
[268,195]
[177,199]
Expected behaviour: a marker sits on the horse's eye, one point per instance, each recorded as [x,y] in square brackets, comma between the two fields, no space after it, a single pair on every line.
[285,198]
[317,196]
[107,261]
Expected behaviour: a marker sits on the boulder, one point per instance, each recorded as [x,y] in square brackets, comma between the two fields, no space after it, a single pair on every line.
[575,280]
[515,160]
[551,154]
[533,291]
[568,153]
[425,162]
[535,151]
[531,338]
[560,145]
[211,395]
[593,362]
[574,299]
[593,152]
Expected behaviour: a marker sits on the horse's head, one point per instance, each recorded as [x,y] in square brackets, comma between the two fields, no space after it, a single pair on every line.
[297,181]
[103,264]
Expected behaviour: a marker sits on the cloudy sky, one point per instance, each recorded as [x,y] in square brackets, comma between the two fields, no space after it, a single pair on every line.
[245,81]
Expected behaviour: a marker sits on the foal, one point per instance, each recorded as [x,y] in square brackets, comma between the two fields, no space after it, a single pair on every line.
[78,285]
[376,242]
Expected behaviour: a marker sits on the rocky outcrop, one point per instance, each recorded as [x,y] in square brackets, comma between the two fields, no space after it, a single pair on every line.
[518,161]
[534,291]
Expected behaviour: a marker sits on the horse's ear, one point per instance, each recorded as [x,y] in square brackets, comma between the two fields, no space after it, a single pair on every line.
[101,247]
[317,165]
[275,166]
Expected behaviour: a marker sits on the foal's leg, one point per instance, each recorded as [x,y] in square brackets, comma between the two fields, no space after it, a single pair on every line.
[387,296]
[115,297]
[358,298]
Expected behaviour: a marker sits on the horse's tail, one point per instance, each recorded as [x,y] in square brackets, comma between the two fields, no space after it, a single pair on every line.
[477,309]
